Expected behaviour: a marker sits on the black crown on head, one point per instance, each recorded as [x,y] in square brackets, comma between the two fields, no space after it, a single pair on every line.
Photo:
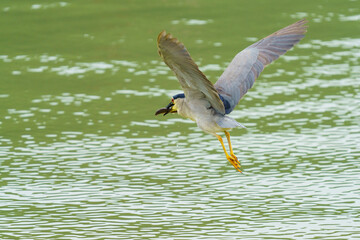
[180,95]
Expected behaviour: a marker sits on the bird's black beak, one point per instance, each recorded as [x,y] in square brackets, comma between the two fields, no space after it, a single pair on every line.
[166,110]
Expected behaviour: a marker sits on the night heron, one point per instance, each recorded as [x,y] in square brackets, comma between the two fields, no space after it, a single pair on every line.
[208,104]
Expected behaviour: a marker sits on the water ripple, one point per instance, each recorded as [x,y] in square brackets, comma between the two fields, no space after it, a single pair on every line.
[84,158]
[180,187]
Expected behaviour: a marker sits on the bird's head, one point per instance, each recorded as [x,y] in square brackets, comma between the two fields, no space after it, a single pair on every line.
[172,107]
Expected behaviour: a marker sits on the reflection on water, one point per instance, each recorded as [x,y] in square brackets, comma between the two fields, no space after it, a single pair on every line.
[83,157]
[192,21]
[176,188]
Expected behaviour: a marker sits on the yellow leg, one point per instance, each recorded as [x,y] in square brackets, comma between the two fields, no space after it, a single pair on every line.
[232,159]
[222,144]
[227,134]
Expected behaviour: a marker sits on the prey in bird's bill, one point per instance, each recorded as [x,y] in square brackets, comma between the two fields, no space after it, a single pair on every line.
[209,104]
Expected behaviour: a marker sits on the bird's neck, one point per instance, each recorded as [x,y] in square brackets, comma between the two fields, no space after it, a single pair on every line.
[183,109]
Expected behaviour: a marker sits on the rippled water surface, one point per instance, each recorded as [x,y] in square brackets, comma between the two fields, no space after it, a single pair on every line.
[82,155]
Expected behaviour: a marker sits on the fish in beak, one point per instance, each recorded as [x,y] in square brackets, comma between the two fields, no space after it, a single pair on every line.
[168,109]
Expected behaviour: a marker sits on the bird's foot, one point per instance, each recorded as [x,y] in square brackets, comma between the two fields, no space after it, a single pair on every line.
[234,161]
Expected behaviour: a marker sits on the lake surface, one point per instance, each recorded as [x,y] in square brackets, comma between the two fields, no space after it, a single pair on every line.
[82,155]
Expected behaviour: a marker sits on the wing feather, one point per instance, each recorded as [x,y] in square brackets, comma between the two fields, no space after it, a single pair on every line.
[192,80]
[247,65]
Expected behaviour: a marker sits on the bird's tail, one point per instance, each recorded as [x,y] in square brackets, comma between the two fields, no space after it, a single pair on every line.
[228,122]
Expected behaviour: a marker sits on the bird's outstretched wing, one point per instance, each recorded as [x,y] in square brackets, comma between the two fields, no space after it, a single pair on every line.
[192,80]
[246,66]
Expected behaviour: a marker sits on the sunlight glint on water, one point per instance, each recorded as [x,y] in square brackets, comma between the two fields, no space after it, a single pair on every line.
[83,156]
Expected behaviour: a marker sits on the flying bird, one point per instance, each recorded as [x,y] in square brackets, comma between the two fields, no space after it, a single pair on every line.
[209,104]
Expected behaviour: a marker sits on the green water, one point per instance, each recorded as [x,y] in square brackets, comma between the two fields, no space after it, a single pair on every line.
[82,155]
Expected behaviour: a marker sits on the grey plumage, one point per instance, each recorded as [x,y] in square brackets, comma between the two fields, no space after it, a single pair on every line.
[208,104]
[247,65]
[192,80]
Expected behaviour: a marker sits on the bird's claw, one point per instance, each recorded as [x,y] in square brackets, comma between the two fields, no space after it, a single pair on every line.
[235,162]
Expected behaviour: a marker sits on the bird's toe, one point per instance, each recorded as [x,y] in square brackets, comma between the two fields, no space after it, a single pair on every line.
[235,162]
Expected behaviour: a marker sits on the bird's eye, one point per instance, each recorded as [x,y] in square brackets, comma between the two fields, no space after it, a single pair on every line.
[172,100]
